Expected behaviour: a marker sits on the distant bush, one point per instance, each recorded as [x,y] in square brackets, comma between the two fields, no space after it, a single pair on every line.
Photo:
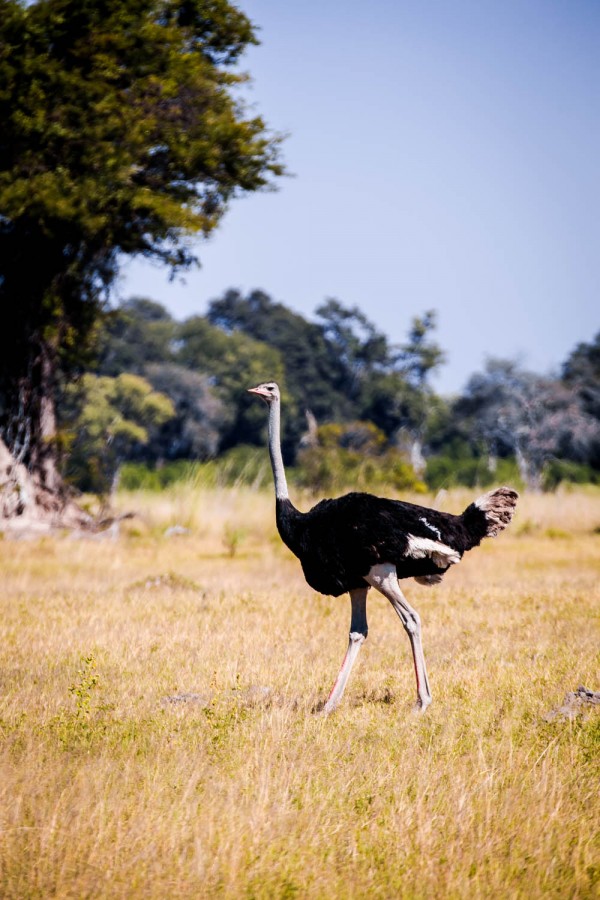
[333,469]
[473,472]
[240,465]
[449,472]
[145,477]
[243,465]
[557,471]
[354,456]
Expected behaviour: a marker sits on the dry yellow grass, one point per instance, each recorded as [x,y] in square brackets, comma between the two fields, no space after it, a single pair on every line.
[107,789]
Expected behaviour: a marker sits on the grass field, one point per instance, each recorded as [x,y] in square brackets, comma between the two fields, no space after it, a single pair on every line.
[110,787]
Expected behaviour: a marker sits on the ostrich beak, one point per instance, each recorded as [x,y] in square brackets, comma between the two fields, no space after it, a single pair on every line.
[258,392]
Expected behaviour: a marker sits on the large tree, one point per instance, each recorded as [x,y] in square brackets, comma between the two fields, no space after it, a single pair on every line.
[201,417]
[234,361]
[138,333]
[399,397]
[113,416]
[315,377]
[123,132]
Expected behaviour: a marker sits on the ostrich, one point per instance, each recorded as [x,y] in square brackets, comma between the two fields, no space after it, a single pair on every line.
[360,541]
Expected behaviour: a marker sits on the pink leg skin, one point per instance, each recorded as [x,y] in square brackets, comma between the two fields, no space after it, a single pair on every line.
[383,577]
[358,635]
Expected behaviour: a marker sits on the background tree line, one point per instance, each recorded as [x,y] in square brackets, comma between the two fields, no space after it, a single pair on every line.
[358,409]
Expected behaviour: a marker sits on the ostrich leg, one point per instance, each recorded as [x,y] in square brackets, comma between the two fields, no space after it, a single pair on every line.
[358,635]
[384,578]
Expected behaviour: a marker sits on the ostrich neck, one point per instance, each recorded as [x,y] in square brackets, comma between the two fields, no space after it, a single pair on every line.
[281,490]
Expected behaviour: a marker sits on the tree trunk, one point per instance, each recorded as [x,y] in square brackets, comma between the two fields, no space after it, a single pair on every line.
[27,505]
[44,457]
[417,459]
[531,474]
[33,495]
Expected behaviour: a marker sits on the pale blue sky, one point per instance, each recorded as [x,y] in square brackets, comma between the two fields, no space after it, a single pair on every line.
[445,155]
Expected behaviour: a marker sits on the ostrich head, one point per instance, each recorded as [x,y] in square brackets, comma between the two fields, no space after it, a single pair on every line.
[268,390]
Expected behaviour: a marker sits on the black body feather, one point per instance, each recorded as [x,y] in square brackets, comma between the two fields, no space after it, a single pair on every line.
[339,541]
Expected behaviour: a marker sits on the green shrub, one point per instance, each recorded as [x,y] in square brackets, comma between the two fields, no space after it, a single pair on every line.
[240,465]
[449,472]
[243,465]
[354,456]
[557,471]
[348,457]
[142,477]
[473,472]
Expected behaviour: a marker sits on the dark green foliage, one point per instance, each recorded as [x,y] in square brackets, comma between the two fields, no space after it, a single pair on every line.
[581,372]
[391,402]
[194,431]
[360,349]
[315,376]
[396,394]
[235,362]
[138,333]
[558,471]
[420,356]
[119,124]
